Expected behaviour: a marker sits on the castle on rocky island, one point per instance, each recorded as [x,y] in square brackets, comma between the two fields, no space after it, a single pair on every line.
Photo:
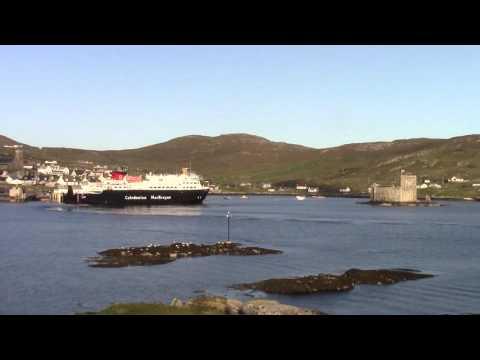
[405,193]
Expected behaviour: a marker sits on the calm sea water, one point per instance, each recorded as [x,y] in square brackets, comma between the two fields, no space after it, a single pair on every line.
[43,248]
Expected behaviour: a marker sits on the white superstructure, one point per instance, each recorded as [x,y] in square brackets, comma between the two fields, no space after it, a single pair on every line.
[184,181]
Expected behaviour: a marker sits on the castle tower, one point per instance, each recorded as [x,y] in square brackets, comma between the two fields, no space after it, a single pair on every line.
[408,187]
[17,162]
[16,166]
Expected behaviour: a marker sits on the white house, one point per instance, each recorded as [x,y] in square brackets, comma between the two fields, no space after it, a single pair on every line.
[313,189]
[11,181]
[423,186]
[61,181]
[301,187]
[212,187]
[435,186]
[271,190]
[345,190]
[456,180]
[266,186]
[45,170]
[58,170]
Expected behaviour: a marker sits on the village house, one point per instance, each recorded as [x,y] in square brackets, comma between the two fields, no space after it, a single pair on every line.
[313,190]
[345,190]
[11,181]
[455,179]
[52,169]
[301,187]
[45,170]
[266,186]
[214,188]
[59,171]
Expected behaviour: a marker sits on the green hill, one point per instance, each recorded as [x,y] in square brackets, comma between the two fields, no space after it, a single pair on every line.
[235,158]
[7,141]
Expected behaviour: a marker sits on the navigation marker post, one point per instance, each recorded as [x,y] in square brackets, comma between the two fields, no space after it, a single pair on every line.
[228,225]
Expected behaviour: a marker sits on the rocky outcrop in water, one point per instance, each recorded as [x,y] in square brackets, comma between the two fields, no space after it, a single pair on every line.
[207,305]
[236,307]
[333,283]
[271,307]
[163,254]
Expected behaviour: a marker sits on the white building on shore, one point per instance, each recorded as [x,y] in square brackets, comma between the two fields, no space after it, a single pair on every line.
[455,179]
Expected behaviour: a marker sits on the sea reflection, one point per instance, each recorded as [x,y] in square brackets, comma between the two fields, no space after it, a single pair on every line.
[163,210]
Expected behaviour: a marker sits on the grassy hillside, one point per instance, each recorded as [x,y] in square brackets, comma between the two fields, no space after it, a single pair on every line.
[7,141]
[241,157]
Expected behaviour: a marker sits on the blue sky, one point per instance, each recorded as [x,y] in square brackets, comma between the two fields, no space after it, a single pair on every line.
[114,97]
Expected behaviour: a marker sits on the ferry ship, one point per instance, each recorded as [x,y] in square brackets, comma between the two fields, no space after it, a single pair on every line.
[123,190]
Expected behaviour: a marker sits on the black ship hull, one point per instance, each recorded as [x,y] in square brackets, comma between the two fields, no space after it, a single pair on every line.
[138,197]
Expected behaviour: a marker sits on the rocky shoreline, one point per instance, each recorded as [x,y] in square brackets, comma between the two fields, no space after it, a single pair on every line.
[163,254]
[207,305]
[332,283]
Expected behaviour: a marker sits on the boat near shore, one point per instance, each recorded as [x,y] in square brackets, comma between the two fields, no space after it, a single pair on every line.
[300,198]
[124,190]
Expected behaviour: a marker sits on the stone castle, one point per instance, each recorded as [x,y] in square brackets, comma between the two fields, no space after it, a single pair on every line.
[405,193]
[17,163]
